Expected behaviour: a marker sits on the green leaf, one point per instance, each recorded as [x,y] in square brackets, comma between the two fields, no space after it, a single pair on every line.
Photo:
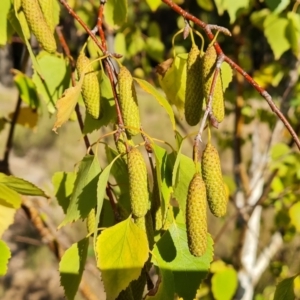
[235,8]
[285,289]
[21,186]
[101,186]
[56,74]
[115,12]
[71,267]
[294,213]
[257,18]
[224,284]
[172,79]
[279,150]
[293,31]
[186,172]
[122,251]
[9,197]
[275,31]
[7,209]
[5,255]
[277,6]
[153,4]
[155,48]
[84,196]
[63,186]
[226,75]
[107,99]
[188,270]
[5,6]
[147,87]
[206,4]
[120,45]
[27,89]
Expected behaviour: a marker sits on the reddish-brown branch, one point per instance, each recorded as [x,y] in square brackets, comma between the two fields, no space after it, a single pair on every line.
[100,24]
[207,29]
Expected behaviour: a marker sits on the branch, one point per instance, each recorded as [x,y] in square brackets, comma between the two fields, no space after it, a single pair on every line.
[207,29]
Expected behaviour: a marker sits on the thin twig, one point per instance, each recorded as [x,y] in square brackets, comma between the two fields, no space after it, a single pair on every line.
[263,93]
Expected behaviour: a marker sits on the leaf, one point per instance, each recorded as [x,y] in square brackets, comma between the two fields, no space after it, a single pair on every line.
[121,251]
[101,187]
[172,79]
[186,172]
[188,270]
[285,289]
[71,267]
[277,6]
[56,74]
[9,197]
[294,213]
[66,104]
[147,87]
[226,75]
[155,48]
[5,255]
[21,186]
[107,99]
[115,12]
[84,196]
[26,88]
[224,284]
[153,4]
[293,31]
[206,4]
[7,213]
[63,186]
[27,117]
[279,150]
[275,31]
[5,6]
[120,45]
[235,8]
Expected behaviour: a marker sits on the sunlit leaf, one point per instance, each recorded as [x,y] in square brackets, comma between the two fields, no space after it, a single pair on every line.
[226,74]
[153,4]
[66,104]
[122,251]
[71,267]
[5,6]
[63,186]
[27,117]
[147,87]
[285,289]
[115,12]
[84,196]
[7,213]
[21,186]
[5,255]
[294,213]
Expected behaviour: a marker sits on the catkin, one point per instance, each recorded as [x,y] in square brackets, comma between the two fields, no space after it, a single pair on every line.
[196,216]
[47,7]
[90,87]
[209,65]
[212,176]
[138,183]
[38,25]
[128,101]
[194,87]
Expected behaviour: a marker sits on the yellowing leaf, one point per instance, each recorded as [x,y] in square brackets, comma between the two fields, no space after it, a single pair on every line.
[66,104]
[27,117]
[4,9]
[4,257]
[172,79]
[153,4]
[122,251]
[226,74]
[7,214]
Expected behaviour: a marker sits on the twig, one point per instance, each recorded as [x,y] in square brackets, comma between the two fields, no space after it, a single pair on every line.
[100,24]
[263,93]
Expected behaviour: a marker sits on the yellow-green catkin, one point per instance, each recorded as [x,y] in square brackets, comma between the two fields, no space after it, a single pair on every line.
[126,294]
[194,87]
[90,88]
[47,7]
[38,25]
[138,183]
[209,65]
[196,222]
[128,101]
[120,142]
[146,224]
[21,17]
[91,221]
[212,176]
